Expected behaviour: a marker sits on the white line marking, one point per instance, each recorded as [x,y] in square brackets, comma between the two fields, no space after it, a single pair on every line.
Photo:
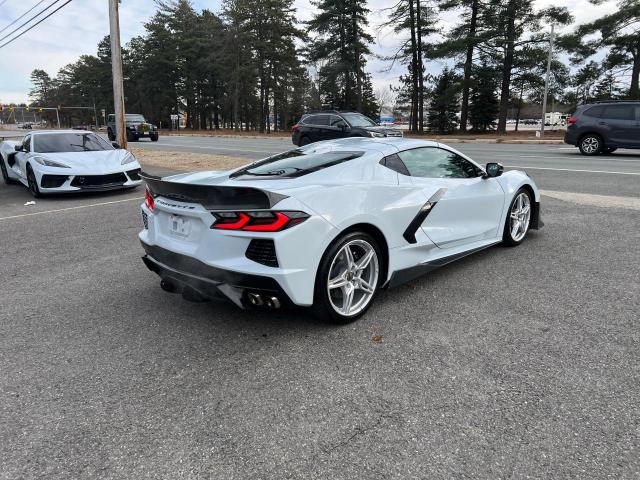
[72,208]
[605,201]
[575,158]
[572,170]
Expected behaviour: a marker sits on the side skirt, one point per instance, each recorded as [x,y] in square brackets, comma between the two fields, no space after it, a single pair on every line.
[407,274]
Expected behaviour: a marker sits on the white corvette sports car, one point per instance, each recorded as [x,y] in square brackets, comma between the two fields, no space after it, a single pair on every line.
[327,225]
[67,161]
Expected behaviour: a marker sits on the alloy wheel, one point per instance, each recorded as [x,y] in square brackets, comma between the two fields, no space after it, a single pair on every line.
[520,216]
[590,145]
[3,168]
[353,277]
[33,184]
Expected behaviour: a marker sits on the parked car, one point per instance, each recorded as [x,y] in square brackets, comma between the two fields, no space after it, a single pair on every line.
[328,225]
[603,127]
[137,128]
[332,124]
[67,161]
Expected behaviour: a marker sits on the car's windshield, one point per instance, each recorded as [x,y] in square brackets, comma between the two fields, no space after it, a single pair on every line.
[135,118]
[357,120]
[295,163]
[69,142]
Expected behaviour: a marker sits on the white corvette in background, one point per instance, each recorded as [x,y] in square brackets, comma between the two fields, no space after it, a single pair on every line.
[67,161]
[328,225]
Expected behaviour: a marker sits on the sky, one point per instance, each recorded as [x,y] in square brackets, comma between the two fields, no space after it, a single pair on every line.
[77,28]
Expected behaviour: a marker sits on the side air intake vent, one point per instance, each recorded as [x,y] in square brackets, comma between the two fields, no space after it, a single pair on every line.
[262,251]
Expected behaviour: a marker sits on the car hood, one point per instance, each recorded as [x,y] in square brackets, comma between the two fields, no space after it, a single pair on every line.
[93,163]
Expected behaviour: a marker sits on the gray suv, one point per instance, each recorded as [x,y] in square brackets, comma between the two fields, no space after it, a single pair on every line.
[603,127]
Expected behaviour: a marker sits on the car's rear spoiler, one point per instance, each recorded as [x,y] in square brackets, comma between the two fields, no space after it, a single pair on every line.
[212,197]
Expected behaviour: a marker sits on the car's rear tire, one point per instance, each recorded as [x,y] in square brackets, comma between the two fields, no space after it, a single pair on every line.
[304,141]
[33,183]
[590,144]
[348,278]
[516,225]
[5,174]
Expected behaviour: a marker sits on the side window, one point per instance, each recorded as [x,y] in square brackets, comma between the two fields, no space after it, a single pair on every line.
[314,120]
[26,143]
[619,112]
[394,163]
[336,121]
[432,162]
[594,111]
[322,120]
[112,118]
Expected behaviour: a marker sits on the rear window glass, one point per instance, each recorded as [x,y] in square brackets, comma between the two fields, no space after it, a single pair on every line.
[294,163]
[594,111]
[69,142]
[618,112]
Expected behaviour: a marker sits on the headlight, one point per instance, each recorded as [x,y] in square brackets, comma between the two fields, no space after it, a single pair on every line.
[49,163]
[128,159]
[376,134]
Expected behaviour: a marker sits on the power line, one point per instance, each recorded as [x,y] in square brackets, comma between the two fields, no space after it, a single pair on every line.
[30,20]
[35,24]
[21,16]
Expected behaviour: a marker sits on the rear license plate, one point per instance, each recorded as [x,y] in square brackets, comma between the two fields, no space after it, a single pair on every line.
[179,225]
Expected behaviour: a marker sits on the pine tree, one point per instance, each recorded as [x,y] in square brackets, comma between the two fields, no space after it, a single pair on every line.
[617,32]
[484,105]
[341,45]
[443,111]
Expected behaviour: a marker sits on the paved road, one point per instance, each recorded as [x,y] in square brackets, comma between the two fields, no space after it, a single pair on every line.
[511,363]
[555,167]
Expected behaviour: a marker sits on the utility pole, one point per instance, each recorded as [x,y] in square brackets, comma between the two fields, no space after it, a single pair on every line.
[116,63]
[546,83]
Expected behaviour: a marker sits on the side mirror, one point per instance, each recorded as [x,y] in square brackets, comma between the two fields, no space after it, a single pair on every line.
[493,170]
[18,148]
[116,145]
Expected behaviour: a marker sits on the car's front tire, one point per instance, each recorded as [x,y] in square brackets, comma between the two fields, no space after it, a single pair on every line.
[590,144]
[154,138]
[516,225]
[348,278]
[111,136]
[33,183]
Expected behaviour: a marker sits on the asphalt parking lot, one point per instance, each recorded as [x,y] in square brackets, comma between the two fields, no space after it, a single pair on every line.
[511,363]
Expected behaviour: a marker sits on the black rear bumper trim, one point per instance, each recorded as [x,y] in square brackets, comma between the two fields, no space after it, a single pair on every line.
[205,279]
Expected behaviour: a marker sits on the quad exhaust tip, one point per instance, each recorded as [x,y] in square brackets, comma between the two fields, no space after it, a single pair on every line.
[260,300]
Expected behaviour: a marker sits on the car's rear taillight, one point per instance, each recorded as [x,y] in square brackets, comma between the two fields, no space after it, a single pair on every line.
[571,120]
[258,221]
[148,200]
[295,128]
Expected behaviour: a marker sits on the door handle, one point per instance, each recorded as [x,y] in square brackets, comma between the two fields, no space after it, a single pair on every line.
[602,123]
